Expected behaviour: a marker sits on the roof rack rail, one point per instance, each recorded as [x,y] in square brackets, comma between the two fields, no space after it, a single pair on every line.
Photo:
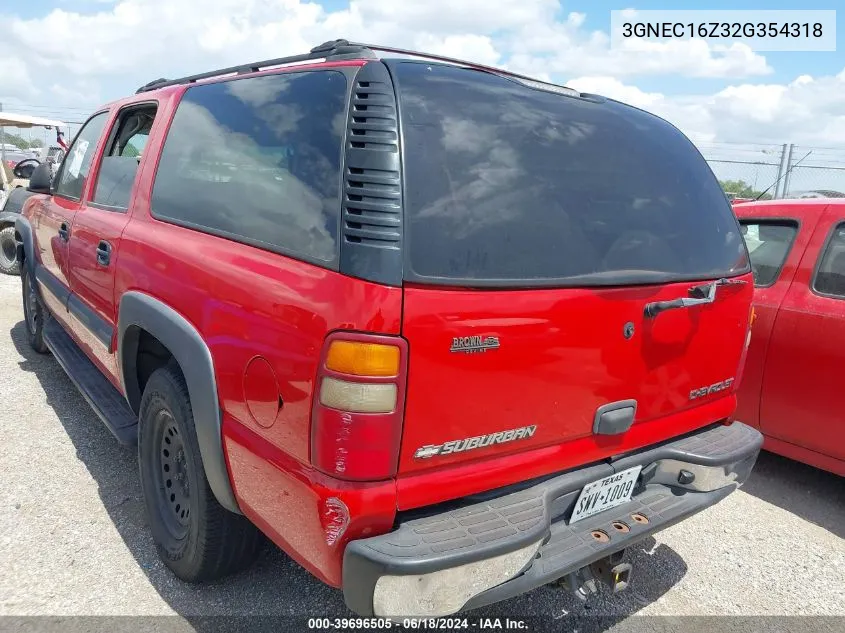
[334,49]
[344,49]
[452,60]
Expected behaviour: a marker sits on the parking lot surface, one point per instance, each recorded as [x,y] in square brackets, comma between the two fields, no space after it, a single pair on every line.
[75,539]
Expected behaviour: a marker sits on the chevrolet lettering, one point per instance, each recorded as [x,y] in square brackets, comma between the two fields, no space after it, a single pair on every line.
[714,388]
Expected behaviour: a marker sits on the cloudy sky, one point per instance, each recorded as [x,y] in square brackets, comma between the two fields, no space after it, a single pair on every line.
[64,57]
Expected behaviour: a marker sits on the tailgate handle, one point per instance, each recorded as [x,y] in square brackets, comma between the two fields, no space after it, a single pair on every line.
[614,418]
[700,295]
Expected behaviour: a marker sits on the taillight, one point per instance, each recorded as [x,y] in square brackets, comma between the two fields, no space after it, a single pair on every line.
[359,400]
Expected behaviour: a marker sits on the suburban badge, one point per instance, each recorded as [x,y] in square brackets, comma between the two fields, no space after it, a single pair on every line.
[472,443]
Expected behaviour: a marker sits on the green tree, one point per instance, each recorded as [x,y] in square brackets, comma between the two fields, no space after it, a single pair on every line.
[130,150]
[14,139]
[741,189]
[36,143]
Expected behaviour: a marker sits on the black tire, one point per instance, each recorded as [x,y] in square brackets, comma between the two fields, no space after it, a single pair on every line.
[34,314]
[8,248]
[195,536]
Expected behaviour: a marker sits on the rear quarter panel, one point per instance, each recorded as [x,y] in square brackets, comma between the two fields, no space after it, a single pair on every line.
[248,303]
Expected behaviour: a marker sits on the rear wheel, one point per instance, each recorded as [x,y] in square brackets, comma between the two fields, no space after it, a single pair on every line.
[8,252]
[33,313]
[195,536]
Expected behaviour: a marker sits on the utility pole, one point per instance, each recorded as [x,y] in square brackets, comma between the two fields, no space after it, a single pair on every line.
[780,170]
[788,171]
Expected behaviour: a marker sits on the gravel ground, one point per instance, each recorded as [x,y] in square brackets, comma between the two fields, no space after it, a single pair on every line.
[75,540]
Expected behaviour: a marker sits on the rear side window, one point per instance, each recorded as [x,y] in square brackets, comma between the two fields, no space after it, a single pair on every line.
[505,183]
[830,276]
[257,160]
[122,157]
[77,164]
[768,245]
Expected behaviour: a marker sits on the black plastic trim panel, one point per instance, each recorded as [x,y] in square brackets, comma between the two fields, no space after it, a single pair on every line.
[718,445]
[140,312]
[571,547]
[501,525]
[25,252]
[614,418]
[371,223]
[8,217]
[14,203]
[93,322]
[52,284]
[106,401]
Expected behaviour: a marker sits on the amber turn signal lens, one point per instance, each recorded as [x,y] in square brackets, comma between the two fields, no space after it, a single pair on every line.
[363,359]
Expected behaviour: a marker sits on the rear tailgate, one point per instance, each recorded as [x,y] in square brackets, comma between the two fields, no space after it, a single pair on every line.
[538,227]
[561,355]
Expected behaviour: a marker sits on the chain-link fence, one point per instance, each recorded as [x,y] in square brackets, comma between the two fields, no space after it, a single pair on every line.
[777,171]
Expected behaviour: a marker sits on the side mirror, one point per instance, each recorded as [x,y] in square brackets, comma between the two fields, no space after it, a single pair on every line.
[41,179]
[25,168]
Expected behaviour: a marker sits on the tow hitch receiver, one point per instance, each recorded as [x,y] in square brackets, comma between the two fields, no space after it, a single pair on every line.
[609,570]
[617,576]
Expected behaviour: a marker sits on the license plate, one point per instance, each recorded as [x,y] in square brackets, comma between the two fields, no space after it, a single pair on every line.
[605,493]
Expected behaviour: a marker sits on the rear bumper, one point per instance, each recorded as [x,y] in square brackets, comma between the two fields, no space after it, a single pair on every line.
[495,549]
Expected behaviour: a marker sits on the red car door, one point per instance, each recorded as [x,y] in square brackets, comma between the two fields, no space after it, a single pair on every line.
[54,216]
[98,228]
[803,401]
[776,242]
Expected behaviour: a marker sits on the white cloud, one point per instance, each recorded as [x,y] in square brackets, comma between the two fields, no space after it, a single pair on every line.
[808,111]
[563,48]
[141,39]
[16,80]
[615,89]
[79,59]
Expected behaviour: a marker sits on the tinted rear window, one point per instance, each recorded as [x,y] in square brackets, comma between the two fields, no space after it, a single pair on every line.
[830,276]
[509,183]
[768,245]
[257,160]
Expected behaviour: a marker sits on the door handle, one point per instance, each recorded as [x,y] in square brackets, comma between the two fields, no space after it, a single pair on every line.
[103,253]
[64,231]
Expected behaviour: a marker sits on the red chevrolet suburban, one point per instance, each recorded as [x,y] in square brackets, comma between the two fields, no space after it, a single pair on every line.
[442,332]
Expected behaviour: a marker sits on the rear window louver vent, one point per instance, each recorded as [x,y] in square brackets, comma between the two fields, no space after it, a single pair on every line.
[372,194]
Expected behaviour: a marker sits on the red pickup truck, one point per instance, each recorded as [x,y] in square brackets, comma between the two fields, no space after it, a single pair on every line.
[792,388]
[442,332]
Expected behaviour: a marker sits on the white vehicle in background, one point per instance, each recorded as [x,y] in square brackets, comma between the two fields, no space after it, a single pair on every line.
[54,155]
[13,185]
